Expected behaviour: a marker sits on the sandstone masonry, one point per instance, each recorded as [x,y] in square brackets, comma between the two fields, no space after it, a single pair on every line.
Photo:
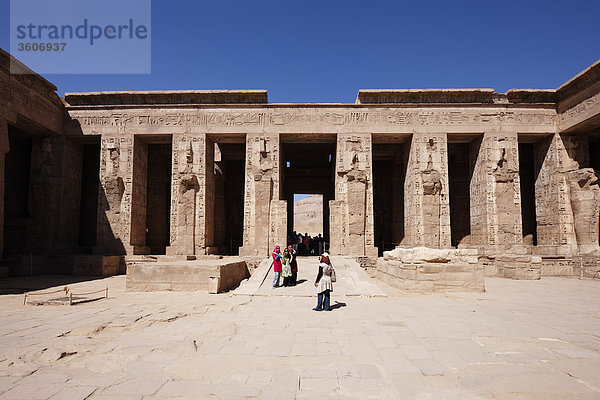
[193,173]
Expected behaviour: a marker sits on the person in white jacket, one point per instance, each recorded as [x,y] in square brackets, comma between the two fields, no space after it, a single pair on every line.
[324,284]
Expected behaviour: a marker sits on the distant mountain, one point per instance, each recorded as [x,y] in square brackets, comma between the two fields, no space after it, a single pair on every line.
[308,215]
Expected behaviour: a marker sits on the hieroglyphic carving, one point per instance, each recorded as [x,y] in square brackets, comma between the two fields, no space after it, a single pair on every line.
[114,204]
[262,204]
[574,113]
[187,195]
[326,118]
[426,192]
[579,194]
[352,231]
[495,192]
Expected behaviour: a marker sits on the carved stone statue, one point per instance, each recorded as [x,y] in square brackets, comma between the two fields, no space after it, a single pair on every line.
[585,196]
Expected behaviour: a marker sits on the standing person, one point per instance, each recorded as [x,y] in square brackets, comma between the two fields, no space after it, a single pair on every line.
[295,241]
[323,284]
[305,243]
[299,243]
[294,265]
[321,241]
[286,270]
[276,266]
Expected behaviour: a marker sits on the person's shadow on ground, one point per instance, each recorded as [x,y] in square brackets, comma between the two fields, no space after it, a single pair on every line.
[337,304]
[300,281]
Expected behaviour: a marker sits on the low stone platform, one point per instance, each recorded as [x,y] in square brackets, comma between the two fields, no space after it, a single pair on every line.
[432,277]
[225,274]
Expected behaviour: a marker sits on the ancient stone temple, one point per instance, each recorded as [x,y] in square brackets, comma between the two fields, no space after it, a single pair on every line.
[196,172]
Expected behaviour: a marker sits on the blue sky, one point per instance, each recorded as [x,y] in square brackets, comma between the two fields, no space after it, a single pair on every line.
[324,51]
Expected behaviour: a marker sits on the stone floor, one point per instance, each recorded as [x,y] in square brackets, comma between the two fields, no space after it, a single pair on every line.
[518,340]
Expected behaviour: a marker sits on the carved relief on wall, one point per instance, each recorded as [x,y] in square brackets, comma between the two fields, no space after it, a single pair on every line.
[301,117]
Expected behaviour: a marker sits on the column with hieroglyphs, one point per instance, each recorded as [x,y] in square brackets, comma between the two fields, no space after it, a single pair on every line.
[351,213]
[496,195]
[114,195]
[265,214]
[426,192]
[192,196]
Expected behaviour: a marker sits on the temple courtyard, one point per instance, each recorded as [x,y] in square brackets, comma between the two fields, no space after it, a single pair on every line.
[517,340]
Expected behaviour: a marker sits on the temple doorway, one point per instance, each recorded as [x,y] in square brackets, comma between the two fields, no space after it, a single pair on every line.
[390,157]
[308,170]
[307,236]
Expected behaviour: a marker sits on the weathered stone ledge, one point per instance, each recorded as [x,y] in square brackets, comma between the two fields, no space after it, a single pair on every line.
[432,277]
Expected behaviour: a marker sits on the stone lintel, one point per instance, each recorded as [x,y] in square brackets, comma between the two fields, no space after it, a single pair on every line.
[163,97]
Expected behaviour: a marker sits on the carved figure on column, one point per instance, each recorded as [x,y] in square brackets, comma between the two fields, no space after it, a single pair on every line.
[584,195]
[585,200]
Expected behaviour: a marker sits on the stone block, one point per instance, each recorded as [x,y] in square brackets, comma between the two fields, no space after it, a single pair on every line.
[431,277]
[186,275]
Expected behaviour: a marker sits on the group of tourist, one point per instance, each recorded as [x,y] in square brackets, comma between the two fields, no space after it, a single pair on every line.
[307,245]
[285,266]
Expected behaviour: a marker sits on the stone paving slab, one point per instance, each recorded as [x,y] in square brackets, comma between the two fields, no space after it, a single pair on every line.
[518,340]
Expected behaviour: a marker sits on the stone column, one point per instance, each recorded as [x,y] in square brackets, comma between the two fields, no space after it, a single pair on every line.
[265,215]
[427,202]
[4,148]
[114,196]
[496,195]
[192,211]
[45,192]
[555,232]
[139,197]
[577,195]
[351,213]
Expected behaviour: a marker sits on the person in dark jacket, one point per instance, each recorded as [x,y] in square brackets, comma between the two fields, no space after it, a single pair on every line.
[294,264]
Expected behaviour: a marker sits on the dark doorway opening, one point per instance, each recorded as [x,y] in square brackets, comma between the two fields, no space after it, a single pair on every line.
[158,199]
[88,211]
[17,177]
[594,157]
[460,170]
[527,179]
[463,152]
[308,166]
[389,171]
[229,174]
[594,151]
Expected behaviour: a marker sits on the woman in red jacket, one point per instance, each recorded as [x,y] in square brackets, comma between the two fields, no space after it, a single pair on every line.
[276,266]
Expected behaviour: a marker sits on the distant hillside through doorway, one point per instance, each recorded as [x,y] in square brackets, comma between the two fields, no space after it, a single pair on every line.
[308,215]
